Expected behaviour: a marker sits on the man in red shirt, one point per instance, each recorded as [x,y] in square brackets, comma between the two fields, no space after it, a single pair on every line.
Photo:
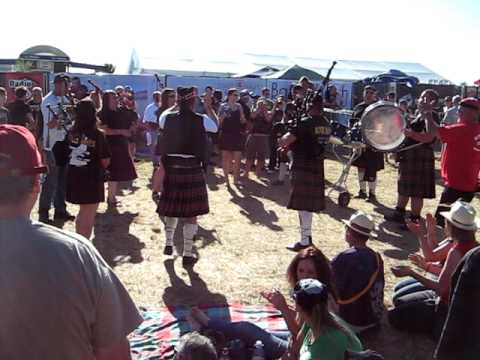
[460,164]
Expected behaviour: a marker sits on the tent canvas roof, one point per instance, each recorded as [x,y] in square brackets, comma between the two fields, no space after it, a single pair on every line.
[295,72]
[227,66]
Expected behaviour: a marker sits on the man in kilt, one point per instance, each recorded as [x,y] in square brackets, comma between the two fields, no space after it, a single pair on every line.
[306,140]
[416,172]
[370,161]
[180,176]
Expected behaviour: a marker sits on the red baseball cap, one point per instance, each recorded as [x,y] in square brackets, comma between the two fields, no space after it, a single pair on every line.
[19,155]
[471,103]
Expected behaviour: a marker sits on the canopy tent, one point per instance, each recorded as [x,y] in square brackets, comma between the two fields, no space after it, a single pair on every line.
[295,72]
[227,65]
[392,76]
[258,73]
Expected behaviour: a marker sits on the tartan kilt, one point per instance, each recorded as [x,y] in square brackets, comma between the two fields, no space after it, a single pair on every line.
[184,192]
[416,172]
[371,161]
[308,185]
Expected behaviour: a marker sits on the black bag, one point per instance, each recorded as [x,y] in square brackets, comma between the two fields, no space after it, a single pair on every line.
[61,152]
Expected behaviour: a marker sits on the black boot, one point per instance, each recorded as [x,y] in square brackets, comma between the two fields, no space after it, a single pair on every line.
[397,216]
[189,261]
[299,246]
[361,195]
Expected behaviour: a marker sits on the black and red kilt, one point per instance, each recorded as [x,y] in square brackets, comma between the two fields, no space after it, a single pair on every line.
[308,185]
[184,192]
[416,172]
[372,161]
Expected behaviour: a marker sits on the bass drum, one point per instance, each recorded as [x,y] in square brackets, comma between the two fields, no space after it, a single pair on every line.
[382,126]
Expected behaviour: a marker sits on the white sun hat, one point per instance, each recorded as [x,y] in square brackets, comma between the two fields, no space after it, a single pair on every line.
[462,215]
[361,223]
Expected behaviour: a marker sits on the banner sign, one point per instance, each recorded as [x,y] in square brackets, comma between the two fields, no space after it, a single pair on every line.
[11,80]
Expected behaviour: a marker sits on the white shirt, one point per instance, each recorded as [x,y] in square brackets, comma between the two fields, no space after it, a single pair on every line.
[451,116]
[51,136]
[150,113]
[209,125]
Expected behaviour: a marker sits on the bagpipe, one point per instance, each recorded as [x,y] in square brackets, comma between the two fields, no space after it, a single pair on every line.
[303,105]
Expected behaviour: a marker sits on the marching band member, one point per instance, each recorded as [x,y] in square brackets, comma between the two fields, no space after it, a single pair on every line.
[370,161]
[180,176]
[307,194]
[416,173]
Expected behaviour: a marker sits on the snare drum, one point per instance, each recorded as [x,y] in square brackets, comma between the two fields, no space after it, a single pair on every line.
[382,126]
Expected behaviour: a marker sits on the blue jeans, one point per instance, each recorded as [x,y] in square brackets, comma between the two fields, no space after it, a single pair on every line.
[153,146]
[406,287]
[275,345]
[53,187]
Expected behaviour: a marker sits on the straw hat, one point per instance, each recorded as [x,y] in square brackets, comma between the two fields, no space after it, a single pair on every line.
[462,215]
[361,223]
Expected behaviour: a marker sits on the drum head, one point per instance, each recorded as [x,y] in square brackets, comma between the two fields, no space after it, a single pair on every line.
[382,126]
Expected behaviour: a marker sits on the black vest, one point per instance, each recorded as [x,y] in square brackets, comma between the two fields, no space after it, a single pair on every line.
[184,133]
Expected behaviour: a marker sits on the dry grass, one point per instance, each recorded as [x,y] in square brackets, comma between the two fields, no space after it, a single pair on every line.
[242,247]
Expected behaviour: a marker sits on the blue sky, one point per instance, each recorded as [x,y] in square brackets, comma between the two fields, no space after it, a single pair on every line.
[440,34]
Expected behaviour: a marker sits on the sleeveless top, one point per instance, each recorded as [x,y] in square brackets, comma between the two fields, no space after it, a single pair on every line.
[231,123]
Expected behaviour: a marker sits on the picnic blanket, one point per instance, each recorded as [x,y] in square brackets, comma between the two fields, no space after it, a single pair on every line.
[157,336]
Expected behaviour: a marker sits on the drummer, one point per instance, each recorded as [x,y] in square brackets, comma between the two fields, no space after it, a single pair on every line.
[416,172]
[370,161]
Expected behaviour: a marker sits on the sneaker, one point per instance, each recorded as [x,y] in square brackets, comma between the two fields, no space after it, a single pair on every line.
[168,250]
[299,246]
[189,261]
[64,216]
[372,198]
[361,195]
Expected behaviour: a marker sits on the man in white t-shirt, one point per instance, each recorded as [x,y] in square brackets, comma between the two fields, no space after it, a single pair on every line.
[150,119]
[54,184]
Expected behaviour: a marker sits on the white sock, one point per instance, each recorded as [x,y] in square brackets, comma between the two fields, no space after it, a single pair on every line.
[372,185]
[362,183]
[305,226]
[189,232]
[170,226]
[282,171]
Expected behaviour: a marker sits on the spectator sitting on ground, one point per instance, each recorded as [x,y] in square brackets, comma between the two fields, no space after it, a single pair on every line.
[193,346]
[359,276]
[425,311]
[54,284]
[459,338]
[324,336]
[308,263]
[432,258]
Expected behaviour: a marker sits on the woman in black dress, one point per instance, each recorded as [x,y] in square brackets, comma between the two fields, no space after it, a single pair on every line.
[89,156]
[117,127]
[231,142]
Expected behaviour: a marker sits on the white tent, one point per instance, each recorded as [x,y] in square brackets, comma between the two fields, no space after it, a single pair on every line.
[231,65]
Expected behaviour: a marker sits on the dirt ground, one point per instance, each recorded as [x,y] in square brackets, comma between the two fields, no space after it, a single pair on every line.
[241,246]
